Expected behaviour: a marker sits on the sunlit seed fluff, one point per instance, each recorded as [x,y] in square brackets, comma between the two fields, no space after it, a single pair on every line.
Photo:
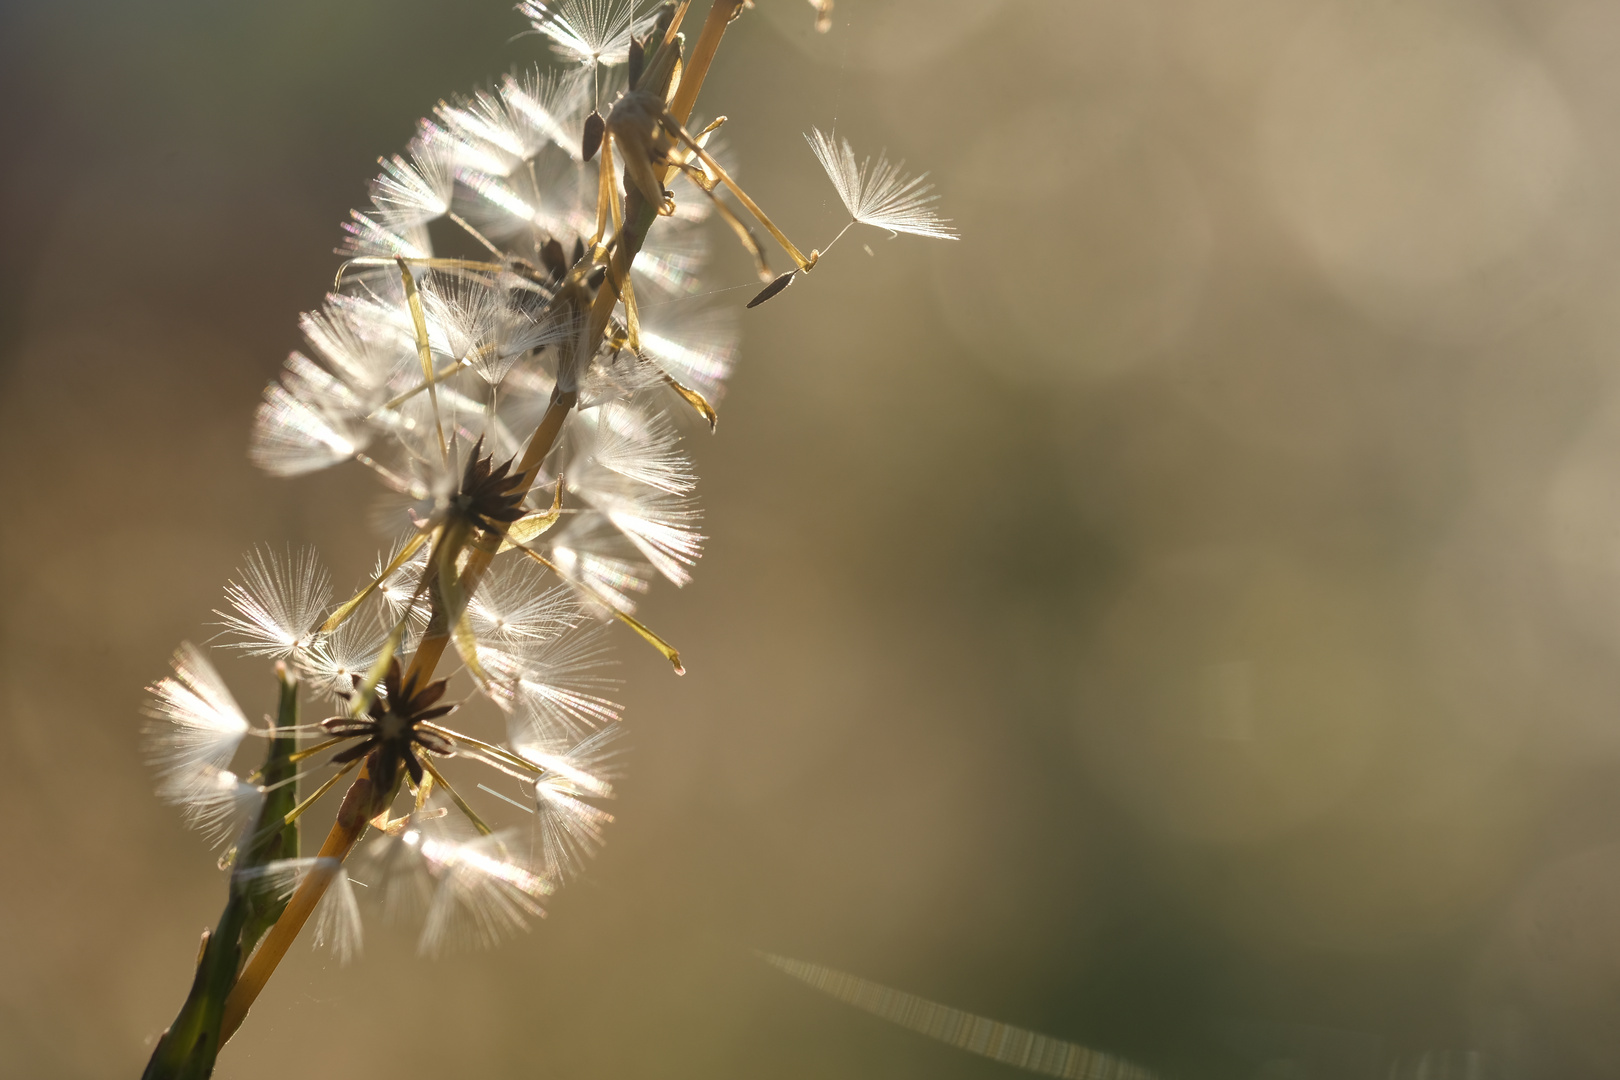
[571,828]
[563,191]
[501,133]
[491,136]
[671,259]
[556,686]
[614,378]
[517,604]
[661,526]
[414,190]
[475,421]
[332,663]
[401,589]
[278,604]
[353,349]
[479,325]
[586,31]
[393,872]
[583,766]
[504,331]
[470,891]
[880,194]
[195,725]
[503,207]
[337,916]
[551,104]
[365,237]
[320,389]
[217,803]
[640,443]
[483,895]
[603,578]
[545,708]
[696,348]
[291,437]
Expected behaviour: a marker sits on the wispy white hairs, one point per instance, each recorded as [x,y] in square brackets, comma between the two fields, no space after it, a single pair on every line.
[291,436]
[332,664]
[337,916]
[570,826]
[217,803]
[416,190]
[281,599]
[481,894]
[586,31]
[196,725]
[880,193]
[641,444]
[517,606]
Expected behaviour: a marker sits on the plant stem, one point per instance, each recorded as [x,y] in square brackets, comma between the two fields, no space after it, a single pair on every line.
[358,807]
[431,648]
[275,838]
[188,1048]
[702,55]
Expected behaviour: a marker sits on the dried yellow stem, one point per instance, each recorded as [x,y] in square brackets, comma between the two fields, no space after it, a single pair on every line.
[696,67]
[352,816]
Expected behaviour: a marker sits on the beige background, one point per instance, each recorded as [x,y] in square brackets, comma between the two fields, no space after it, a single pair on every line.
[1181,617]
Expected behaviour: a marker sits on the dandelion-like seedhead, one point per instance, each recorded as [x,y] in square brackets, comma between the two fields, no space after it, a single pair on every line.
[517,346]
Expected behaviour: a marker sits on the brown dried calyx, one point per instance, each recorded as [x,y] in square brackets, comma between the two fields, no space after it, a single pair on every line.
[391,729]
[490,496]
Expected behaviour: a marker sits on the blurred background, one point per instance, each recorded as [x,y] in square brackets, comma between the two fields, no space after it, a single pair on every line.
[1182,617]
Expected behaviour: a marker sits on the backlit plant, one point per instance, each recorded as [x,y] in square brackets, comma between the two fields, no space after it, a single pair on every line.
[489,352]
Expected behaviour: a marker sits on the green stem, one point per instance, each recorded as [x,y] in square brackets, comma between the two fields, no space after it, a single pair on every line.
[188,1048]
[275,837]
